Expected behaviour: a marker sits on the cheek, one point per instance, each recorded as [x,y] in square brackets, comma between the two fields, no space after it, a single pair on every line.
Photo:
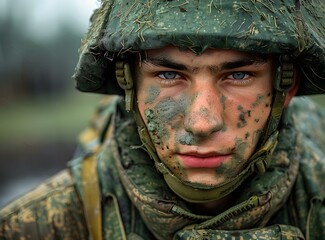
[157,129]
[185,138]
[254,114]
[249,121]
[163,118]
[151,95]
[262,108]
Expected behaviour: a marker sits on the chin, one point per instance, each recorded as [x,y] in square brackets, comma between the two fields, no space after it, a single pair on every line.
[204,178]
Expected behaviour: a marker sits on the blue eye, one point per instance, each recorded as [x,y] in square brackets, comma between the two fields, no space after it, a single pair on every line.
[239,75]
[168,75]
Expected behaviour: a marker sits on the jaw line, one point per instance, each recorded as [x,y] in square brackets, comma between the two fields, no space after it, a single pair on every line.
[198,193]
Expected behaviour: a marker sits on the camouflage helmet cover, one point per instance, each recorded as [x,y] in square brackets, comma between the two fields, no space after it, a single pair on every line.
[293,27]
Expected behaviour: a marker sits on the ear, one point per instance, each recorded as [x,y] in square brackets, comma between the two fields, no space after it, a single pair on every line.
[294,88]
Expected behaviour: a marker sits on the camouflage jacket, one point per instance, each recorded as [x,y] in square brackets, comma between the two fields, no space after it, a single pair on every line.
[136,203]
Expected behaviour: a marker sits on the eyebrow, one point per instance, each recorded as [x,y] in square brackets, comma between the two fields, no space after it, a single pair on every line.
[165,62]
[253,59]
[245,61]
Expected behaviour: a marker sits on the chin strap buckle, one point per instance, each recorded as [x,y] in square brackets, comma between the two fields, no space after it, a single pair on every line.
[124,79]
[284,75]
[262,158]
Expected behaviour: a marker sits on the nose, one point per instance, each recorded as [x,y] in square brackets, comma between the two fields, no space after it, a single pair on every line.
[205,114]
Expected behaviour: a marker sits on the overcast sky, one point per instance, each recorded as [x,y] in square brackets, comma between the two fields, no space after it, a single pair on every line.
[44,17]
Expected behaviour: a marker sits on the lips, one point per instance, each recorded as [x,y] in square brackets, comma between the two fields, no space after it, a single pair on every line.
[207,160]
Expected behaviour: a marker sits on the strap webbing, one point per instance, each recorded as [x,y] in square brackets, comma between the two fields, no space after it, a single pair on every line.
[91,197]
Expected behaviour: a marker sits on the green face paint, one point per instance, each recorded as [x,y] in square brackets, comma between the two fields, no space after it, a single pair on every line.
[203,132]
[221,170]
[223,102]
[162,117]
[241,145]
[168,109]
[149,114]
[154,126]
[247,135]
[259,99]
[153,93]
[242,116]
[186,139]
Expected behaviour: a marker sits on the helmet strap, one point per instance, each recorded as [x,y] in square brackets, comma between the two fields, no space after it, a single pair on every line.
[283,82]
[124,78]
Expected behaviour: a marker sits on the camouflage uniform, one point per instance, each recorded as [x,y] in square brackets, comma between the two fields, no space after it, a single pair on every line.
[134,200]
[137,203]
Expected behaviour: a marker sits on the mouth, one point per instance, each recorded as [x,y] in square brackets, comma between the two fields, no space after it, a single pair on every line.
[203,160]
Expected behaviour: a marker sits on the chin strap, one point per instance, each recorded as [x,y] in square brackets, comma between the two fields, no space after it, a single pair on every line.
[125,80]
[257,163]
[283,82]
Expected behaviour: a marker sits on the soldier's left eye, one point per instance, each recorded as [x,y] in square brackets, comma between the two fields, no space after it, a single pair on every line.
[168,75]
[239,75]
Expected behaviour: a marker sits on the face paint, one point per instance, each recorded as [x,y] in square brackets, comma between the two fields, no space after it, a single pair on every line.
[155,128]
[204,126]
[168,109]
[186,139]
[162,116]
[223,102]
[241,145]
[153,93]
[259,99]
[236,161]
[242,116]
[247,135]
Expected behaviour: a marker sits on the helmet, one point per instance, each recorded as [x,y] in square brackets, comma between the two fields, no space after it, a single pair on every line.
[294,29]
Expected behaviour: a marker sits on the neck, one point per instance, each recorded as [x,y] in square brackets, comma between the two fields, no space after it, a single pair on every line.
[215,207]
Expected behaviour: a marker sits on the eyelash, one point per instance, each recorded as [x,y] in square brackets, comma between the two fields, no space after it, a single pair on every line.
[241,81]
[168,81]
[164,72]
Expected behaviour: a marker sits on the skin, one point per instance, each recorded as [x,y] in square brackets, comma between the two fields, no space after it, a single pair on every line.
[193,105]
[201,108]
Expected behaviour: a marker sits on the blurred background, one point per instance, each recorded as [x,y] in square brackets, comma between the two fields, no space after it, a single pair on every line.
[41,113]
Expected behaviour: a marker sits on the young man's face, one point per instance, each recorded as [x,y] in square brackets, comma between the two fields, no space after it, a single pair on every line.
[205,112]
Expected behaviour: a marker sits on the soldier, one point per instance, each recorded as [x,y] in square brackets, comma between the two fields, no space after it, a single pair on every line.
[205,140]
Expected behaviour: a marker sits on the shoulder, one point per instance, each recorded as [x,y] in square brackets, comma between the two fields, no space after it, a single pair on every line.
[308,118]
[309,121]
[305,206]
[46,211]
